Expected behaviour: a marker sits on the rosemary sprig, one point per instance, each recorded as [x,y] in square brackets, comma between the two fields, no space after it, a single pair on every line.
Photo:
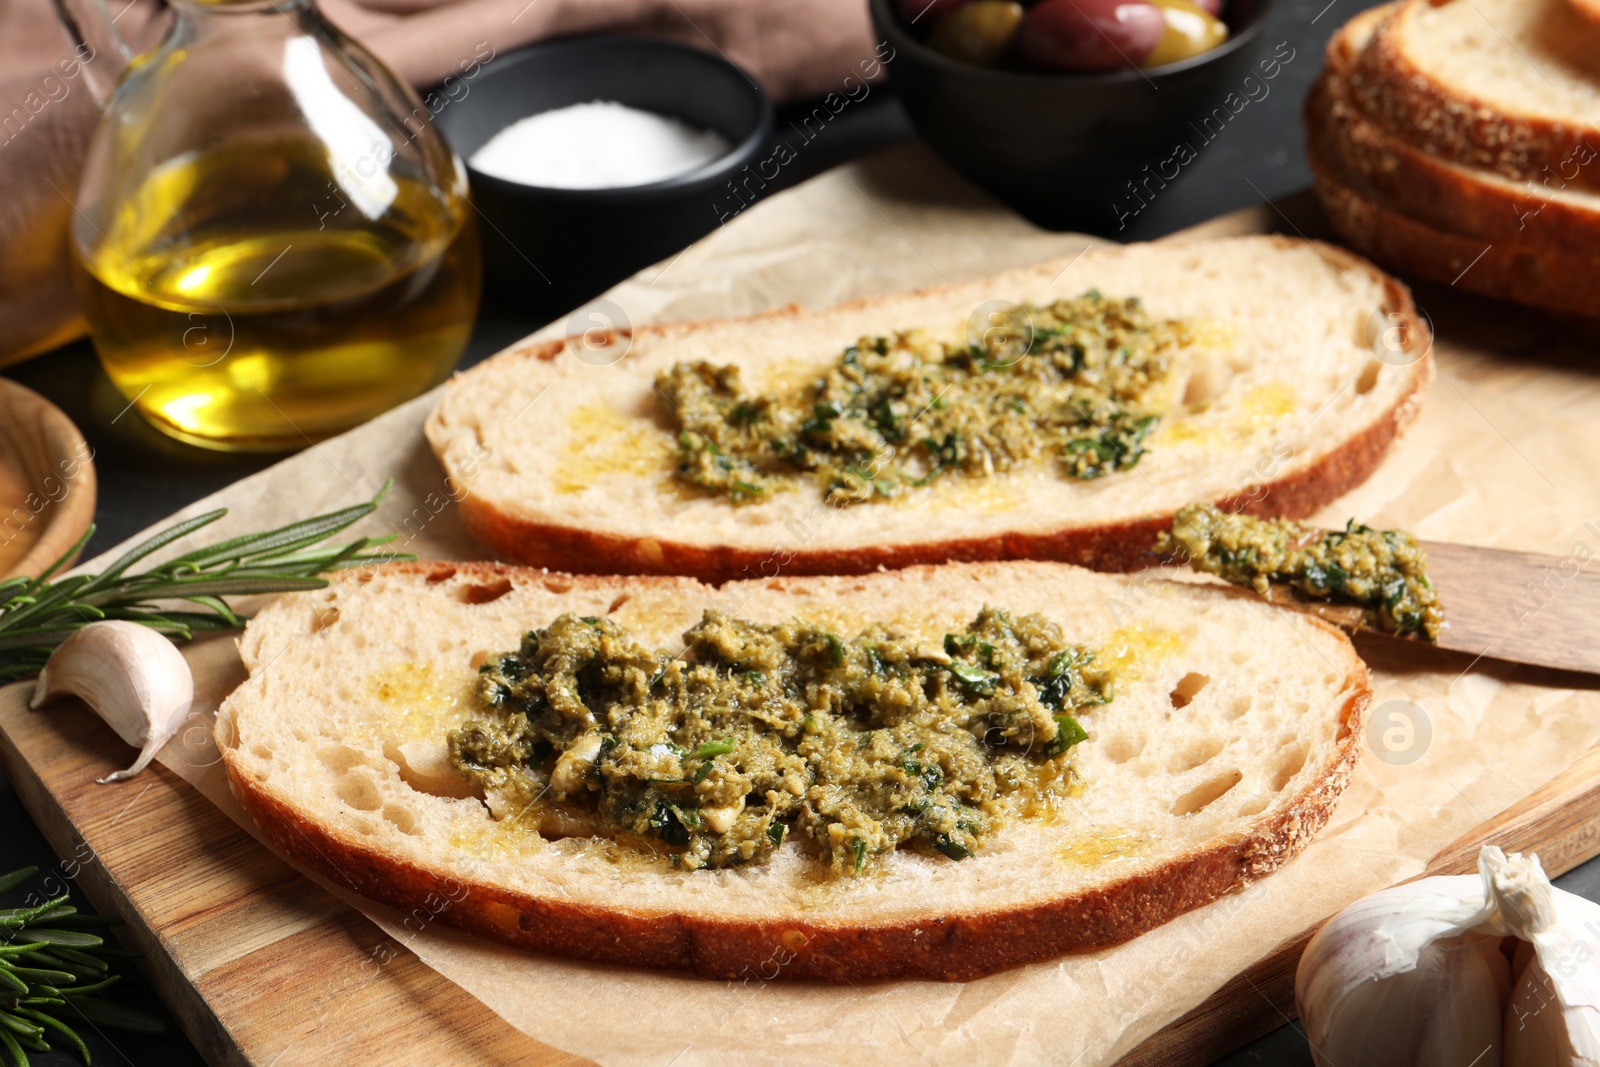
[37,614]
[54,973]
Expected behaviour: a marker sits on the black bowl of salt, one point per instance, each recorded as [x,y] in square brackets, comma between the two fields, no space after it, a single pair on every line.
[592,158]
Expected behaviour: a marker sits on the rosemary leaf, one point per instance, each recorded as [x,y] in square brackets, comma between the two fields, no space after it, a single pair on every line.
[100,986]
[157,542]
[59,1027]
[37,614]
[40,974]
[17,917]
[47,985]
[68,938]
[15,878]
[18,1057]
[105,1013]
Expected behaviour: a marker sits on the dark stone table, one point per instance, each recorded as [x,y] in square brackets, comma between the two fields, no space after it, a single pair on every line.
[144,476]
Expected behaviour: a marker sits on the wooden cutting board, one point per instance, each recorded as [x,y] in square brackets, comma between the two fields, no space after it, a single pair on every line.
[262,966]
[259,965]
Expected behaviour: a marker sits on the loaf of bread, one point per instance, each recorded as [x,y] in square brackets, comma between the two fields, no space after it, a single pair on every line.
[1233,730]
[1511,86]
[1547,217]
[1456,141]
[1308,362]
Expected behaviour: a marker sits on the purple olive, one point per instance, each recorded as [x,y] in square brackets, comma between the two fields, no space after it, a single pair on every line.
[924,13]
[1214,7]
[1089,35]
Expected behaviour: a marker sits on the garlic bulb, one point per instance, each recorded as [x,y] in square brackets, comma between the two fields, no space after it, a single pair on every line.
[1498,970]
[133,678]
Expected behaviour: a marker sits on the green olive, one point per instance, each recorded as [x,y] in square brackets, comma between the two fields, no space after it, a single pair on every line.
[1191,29]
[978,32]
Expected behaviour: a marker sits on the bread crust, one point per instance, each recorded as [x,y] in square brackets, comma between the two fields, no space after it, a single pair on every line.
[955,947]
[1388,85]
[1413,211]
[1443,196]
[1120,546]
[1501,270]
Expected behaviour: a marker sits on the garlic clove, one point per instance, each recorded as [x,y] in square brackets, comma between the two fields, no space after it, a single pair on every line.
[1456,1016]
[1409,976]
[1554,1013]
[1535,1024]
[571,771]
[133,677]
[1443,1012]
[1382,935]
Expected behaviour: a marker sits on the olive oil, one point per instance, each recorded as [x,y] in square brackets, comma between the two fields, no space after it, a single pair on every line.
[257,297]
[605,441]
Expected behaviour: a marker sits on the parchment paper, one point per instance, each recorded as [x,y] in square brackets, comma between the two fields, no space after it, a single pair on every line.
[1502,456]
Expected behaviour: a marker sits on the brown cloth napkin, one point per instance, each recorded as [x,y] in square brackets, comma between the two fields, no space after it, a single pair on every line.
[795,48]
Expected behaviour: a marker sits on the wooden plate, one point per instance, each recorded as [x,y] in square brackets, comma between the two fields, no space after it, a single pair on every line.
[47,482]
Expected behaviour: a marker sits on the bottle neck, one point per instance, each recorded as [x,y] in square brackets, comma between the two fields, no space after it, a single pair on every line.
[200,10]
[264,21]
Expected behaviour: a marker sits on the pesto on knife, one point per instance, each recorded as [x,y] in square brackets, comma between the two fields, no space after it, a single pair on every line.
[1077,380]
[1384,571]
[855,745]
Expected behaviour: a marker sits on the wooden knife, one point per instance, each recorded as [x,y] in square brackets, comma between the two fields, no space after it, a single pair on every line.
[1518,606]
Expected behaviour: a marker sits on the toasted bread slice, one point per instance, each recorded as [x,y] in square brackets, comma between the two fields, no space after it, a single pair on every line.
[1291,400]
[1555,281]
[1546,216]
[1233,730]
[1512,86]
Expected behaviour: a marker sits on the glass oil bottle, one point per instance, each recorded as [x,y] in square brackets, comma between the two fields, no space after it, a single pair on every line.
[272,243]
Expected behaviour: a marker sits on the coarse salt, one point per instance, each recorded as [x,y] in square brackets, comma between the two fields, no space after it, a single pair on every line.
[598,145]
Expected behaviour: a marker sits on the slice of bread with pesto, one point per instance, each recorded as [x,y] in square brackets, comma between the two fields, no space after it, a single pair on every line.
[1060,412]
[1212,735]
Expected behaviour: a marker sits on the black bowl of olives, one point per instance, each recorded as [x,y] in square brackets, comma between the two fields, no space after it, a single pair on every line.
[1076,113]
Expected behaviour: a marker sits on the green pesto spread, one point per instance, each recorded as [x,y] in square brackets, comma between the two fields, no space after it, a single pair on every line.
[1077,380]
[856,746]
[1383,571]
